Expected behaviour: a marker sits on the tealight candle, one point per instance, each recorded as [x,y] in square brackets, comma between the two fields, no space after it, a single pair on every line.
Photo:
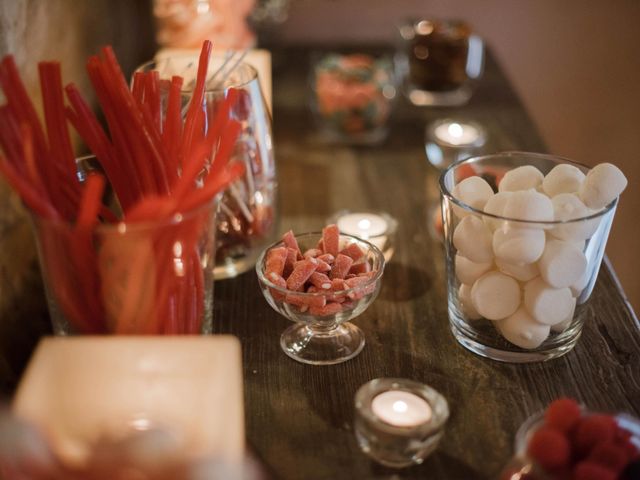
[401,409]
[377,228]
[449,141]
[399,422]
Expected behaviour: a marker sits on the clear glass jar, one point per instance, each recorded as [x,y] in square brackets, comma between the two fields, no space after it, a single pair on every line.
[487,337]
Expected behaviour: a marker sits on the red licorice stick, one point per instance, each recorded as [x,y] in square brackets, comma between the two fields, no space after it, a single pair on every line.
[172,130]
[30,161]
[196,98]
[20,104]
[121,149]
[137,89]
[152,98]
[91,201]
[227,144]
[221,117]
[212,186]
[10,136]
[59,142]
[149,138]
[91,131]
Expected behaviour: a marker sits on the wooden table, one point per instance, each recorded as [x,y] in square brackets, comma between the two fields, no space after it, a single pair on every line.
[299,417]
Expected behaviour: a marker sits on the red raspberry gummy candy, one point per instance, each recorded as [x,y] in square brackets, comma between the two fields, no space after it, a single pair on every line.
[562,414]
[549,448]
[610,456]
[592,471]
[592,430]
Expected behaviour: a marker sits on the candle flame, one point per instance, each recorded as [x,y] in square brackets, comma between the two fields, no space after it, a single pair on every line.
[364,224]
[455,130]
[399,406]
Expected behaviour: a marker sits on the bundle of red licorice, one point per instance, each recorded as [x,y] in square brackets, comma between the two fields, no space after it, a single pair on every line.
[136,263]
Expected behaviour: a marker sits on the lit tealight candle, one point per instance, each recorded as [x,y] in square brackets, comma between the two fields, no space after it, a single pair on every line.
[459,134]
[401,409]
[367,226]
[448,141]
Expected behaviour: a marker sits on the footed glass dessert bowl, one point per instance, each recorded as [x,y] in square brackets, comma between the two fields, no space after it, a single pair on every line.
[321,292]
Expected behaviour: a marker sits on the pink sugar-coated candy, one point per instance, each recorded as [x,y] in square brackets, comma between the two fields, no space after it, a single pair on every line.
[300,275]
[308,300]
[360,292]
[328,309]
[358,268]
[354,251]
[338,285]
[341,266]
[331,239]
[320,280]
[312,252]
[290,241]
[292,257]
[279,281]
[311,259]
[320,245]
[323,267]
[327,258]
[276,258]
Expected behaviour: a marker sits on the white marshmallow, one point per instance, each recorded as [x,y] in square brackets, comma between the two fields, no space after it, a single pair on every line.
[495,206]
[521,178]
[468,272]
[523,273]
[603,184]
[518,245]
[563,178]
[562,264]
[473,191]
[464,297]
[567,206]
[529,205]
[563,325]
[495,295]
[580,284]
[546,304]
[472,238]
[522,330]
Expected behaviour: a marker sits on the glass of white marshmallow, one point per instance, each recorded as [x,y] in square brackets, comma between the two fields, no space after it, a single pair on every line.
[525,235]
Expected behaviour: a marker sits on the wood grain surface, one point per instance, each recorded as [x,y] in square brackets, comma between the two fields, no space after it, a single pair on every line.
[299,417]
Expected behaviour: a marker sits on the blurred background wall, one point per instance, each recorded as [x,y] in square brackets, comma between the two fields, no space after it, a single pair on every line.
[574,64]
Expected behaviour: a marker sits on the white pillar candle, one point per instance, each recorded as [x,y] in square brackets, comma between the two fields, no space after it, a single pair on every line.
[367,226]
[401,409]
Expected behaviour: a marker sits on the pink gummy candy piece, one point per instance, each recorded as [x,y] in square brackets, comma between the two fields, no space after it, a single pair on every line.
[290,241]
[301,274]
[328,309]
[331,239]
[354,251]
[341,266]
[276,258]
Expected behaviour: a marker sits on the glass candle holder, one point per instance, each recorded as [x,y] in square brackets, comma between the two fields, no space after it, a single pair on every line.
[247,217]
[399,422]
[448,141]
[376,227]
[439,59]
[352,97]
[518,289]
